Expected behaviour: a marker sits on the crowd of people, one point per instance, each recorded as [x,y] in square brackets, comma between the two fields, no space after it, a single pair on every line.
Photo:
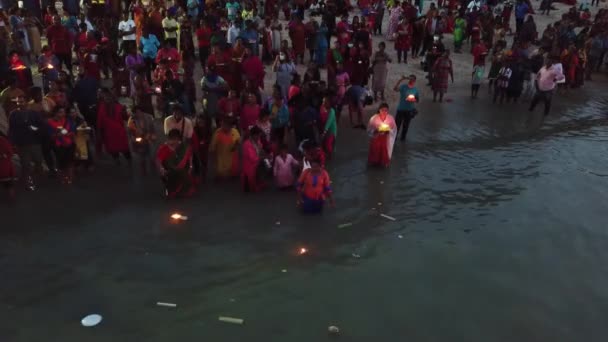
[148,52]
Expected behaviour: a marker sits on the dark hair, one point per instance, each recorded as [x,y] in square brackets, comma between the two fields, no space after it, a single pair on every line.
[283,146]
[34,90]
[383,105]
[174,134]
[315,160]
[57,109]
[255,131]
[309,145]
[264,112]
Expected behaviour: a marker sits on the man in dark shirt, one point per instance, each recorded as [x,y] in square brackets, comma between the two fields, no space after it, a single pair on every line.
[85,95]
[172,90]
[25,129]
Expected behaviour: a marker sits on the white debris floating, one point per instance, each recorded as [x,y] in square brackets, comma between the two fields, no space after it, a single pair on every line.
[388,217]
[91,320]
[232,320]
[168,305]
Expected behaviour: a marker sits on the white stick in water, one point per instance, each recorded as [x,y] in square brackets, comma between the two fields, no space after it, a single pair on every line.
[169,305]
[231,320]
[388,217]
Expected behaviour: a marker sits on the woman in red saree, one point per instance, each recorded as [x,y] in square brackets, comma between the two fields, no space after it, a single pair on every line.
[297,33]
[383,131]
[253,69]
[252,150]
[174,162]
[7,171]
[111,131]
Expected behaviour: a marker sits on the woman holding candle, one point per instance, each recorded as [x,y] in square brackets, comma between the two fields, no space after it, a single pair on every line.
[62,132]
[174,162]
[142,134]
[383,131]
[406,109]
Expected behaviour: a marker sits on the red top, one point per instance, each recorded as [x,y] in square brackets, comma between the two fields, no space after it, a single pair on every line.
[479,54]
[57,129]
[171,55]
[60,39]
[227,105]
[203,35]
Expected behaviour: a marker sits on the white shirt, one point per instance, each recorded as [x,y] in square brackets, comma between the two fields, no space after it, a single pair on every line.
[233,34]
[169,23]
[184,123]
[125,26]
[474,3]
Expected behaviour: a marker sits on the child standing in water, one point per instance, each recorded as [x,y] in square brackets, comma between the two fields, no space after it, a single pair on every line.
[284,165]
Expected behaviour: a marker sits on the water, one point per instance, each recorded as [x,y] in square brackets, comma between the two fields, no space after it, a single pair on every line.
[502,219]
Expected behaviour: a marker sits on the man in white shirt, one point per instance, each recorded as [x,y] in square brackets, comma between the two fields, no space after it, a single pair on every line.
[179,122]
[171,26]
[233,32]
[126,30]
[473,4]
[546,80]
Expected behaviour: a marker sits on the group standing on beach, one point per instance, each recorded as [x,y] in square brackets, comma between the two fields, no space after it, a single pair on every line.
[63,125]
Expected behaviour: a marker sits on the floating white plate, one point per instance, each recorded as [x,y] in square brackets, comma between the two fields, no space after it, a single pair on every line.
[91,320]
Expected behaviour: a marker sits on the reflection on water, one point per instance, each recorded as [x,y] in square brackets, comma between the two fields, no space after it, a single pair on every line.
[503,238]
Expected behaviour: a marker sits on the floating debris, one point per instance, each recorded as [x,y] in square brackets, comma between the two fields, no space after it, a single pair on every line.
[388,217]
[232,320]
[400,236]
[381,182]
[168,305]
[284,270]
[232,300]
[345,225]
[332,329]
[278,223]
[356,256]
[379,204]
[91,320]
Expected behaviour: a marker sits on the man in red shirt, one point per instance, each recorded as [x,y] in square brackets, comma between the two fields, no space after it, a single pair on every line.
[203,36]
[60,41]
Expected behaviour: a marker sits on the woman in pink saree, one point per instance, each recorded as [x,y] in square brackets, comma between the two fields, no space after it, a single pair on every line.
[252,158]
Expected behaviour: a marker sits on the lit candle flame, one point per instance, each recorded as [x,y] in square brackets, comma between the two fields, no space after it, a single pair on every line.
[302,251]
[176,216]
[50,66]
[384,128]
[411,98]
[139,139]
